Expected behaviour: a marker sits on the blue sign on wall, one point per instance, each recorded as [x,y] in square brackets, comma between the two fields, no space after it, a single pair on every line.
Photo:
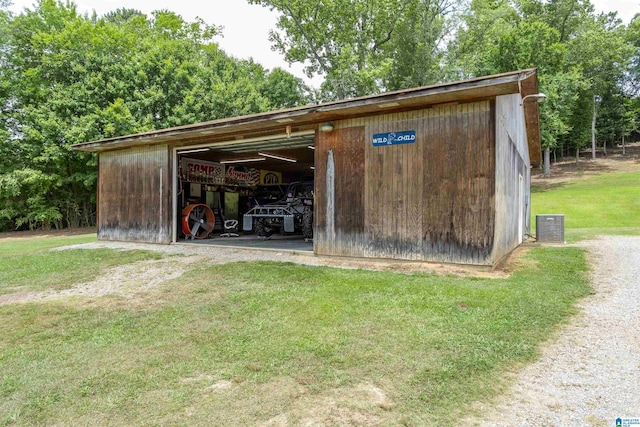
[394,138]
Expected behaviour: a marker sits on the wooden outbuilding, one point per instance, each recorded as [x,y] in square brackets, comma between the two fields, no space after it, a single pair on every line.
[438,173]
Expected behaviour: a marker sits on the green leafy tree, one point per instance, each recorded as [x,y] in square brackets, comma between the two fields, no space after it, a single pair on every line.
[632,37]
[284,90]
[416,53]
[362,46]
[578,55]
[68,78]
[563,91]
[631,84]
[601,53]
[473,51]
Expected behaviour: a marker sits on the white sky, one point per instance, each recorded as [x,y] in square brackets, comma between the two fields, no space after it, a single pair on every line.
[245,33]
[246,27]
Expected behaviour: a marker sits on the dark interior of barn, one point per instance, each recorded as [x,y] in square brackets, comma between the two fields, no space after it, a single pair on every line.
[255,192]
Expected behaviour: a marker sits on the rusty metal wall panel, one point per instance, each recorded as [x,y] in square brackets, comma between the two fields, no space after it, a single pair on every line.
[134,188]
[430,200]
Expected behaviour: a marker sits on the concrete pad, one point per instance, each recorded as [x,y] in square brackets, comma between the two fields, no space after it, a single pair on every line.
[276,242]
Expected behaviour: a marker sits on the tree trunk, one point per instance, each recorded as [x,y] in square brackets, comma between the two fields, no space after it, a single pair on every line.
[604,148]
[593,130]
[547,162]
[623,147]
[577,154]
[555,159]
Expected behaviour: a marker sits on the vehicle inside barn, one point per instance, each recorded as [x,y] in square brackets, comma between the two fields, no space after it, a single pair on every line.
[251,192]
[437,173]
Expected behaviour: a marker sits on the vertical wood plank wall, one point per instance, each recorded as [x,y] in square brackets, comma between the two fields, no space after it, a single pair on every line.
[512,160]
[134,195]
[344,233]
[431,200]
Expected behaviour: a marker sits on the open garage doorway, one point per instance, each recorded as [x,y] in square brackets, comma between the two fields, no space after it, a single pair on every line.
[254,193]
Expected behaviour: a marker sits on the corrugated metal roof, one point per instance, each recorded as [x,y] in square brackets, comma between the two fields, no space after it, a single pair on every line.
[524,82]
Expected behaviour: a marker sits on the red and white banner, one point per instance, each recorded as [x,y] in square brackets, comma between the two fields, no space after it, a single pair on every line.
[244,177]
[200,171]
[203,172]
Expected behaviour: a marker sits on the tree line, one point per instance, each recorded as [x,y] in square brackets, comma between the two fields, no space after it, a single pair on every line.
[67,77]
[588,63]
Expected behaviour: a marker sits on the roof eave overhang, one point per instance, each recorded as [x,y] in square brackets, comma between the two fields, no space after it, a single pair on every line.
[312,115]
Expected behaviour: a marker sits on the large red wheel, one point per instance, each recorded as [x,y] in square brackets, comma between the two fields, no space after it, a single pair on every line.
[197,221]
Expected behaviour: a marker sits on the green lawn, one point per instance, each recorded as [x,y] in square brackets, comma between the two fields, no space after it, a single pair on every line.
[252,343]
[26,245]
[27,264]
[602,204]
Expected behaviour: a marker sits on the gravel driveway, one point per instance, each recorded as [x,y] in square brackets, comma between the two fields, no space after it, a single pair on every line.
[590,374]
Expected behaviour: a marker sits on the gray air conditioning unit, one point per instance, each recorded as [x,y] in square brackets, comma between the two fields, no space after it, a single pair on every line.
[550,228]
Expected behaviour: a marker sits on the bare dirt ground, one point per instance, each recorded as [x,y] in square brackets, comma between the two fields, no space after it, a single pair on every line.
[45,233]
[566,168]
[143,276]
[126,281]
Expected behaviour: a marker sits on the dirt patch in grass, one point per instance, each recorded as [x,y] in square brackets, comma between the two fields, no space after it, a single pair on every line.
[260,343]
[359,405]
[566,169]
[293,403]
[10,235]
[220,255]
[140,283]
[399,266]
[517,260]
[129,281]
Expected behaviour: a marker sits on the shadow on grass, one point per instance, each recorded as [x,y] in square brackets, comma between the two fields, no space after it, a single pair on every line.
[541,187]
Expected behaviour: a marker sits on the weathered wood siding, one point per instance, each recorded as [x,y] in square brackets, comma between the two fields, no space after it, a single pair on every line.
[512,161]
[339,195]
[431,200]
[134,197]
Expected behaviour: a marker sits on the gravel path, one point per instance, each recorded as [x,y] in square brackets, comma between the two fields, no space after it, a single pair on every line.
[590,374]
[131,279]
